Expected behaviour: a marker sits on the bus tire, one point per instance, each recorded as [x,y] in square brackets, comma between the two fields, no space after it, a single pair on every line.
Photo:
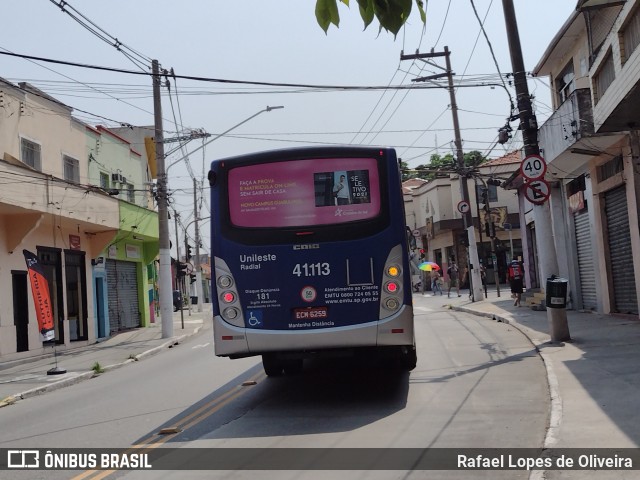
[408,358]
[272,365]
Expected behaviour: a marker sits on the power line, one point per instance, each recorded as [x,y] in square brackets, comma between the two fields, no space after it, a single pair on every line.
[104,35]
[350,88]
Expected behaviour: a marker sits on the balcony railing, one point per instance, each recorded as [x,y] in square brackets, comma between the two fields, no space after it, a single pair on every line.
[572,121]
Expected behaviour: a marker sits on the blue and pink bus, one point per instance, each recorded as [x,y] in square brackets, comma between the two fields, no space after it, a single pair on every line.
[310,256]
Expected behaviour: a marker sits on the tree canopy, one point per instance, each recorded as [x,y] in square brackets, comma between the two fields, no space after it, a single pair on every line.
[391,14]
[441,164]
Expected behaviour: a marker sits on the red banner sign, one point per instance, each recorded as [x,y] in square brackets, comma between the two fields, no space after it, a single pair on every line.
[41,298]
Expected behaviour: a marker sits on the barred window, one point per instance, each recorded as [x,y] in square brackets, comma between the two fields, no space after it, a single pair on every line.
[104,180]
[131,195]
[565,82]
[605,76]
[31,154]
[631,34]
[71,169]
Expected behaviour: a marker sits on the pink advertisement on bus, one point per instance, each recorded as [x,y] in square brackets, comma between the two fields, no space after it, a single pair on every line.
[304,192]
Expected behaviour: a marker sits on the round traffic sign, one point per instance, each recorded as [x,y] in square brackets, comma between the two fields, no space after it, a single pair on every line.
[533,167]
[463,206]
[537,191]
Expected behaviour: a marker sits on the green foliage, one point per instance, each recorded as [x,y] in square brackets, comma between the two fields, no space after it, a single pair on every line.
[442,162]
[442,165]
[404,170]
[392,14]
[97,368]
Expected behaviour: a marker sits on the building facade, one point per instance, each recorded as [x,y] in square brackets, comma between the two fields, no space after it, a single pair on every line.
[52,205]
[438,225]
[591,146]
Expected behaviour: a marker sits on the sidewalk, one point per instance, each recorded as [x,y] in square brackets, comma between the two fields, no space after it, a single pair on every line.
[594,380]
[23,378]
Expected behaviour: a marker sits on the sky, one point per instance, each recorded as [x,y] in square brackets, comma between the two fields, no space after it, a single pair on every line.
[279,42]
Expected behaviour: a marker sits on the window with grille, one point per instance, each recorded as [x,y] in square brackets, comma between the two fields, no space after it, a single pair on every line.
[605,76]
[611,168]
[131,195]
[631,34]
[31,154]
[104,180]
[565,82]
[71,169]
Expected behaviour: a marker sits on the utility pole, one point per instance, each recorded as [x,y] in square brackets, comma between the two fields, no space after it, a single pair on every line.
[196,263]
[187,286]
[166,292]
[480,233]
[476,282]
[548,262]
[175,217]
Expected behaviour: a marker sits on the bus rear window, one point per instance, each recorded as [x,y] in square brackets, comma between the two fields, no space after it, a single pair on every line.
[304,192]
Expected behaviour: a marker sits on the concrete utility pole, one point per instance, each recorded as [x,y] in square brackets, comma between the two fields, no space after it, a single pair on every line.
[164,283]
[476,281]
[548,261]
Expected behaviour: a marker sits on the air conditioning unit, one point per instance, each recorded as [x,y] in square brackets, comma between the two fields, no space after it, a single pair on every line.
[117,177]
[123,179]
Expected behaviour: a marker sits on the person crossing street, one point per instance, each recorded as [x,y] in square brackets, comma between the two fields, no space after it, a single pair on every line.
[454,277]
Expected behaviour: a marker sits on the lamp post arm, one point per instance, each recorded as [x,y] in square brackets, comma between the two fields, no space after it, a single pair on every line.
[268,109]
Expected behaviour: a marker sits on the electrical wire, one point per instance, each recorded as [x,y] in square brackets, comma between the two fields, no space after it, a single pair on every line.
[103,35]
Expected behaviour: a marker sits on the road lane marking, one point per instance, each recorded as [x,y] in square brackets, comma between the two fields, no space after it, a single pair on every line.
[182,424]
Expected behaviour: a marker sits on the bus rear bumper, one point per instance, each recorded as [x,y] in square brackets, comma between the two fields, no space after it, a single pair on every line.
[237,342]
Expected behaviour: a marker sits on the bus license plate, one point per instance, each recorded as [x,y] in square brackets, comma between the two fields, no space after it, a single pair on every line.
[310,313]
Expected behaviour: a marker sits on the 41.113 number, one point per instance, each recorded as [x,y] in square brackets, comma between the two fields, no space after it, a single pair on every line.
[311,269]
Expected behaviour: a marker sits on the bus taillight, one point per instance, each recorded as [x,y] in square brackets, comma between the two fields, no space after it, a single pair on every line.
[228,297]
[230,313]
[392,287]
[393,271]
[391,303]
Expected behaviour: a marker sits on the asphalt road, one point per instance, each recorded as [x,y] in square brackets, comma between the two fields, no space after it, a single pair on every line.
[478,383]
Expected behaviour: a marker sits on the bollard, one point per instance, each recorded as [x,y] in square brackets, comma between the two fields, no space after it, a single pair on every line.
[556,301]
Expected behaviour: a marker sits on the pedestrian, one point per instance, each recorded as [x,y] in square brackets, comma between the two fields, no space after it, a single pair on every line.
[483,277]
[454,278]
[515,274]
[435,282]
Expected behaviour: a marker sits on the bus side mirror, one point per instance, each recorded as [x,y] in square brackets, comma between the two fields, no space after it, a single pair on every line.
[212,178]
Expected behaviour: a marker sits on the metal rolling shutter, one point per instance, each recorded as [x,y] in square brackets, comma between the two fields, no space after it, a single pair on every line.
[123,295]
[586,269]
[620,255]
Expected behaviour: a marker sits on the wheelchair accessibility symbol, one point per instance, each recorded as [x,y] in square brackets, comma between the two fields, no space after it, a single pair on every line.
[255,318]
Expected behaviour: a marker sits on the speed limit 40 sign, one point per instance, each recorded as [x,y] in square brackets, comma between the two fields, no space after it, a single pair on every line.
[533,167]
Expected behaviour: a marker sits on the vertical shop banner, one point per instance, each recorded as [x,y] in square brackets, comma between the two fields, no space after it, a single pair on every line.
[41,298]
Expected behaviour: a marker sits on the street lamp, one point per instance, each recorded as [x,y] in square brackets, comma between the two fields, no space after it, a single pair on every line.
[166,301]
